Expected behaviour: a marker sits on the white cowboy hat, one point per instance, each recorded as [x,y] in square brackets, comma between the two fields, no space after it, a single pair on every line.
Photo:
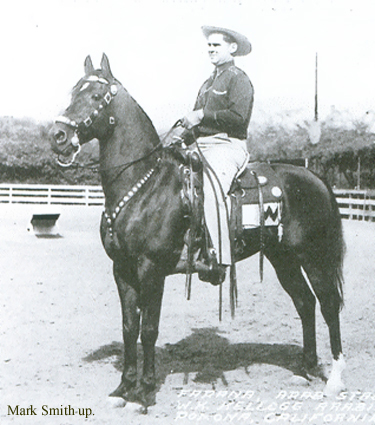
[243,44]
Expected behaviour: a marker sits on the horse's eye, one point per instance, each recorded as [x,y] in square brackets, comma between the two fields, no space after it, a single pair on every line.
[96,96]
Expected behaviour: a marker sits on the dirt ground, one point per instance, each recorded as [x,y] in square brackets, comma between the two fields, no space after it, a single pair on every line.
[61,342]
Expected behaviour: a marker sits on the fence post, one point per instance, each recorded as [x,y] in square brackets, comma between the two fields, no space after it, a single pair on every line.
[350,207]
[359,173]
[364,207]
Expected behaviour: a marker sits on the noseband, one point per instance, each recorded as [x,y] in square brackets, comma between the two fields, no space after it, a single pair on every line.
[82,127]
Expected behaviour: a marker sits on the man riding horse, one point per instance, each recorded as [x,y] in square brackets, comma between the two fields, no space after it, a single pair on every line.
[146,220]
[219,125]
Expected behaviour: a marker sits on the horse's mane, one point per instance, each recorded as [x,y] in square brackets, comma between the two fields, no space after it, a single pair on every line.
[143,113]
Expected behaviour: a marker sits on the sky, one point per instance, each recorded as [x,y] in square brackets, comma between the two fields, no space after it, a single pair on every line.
[157,51]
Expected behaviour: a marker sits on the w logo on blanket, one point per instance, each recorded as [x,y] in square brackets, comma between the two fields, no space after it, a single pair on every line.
[271,211]
[255,189]
[251,215]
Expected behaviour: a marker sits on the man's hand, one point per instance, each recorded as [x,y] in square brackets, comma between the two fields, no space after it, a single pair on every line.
[192,119]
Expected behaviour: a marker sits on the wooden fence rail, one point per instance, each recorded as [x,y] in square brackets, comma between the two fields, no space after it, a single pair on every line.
[353,204]
[356,204]
[51,195]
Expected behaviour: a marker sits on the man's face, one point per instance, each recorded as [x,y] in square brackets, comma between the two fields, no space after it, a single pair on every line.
[219,50]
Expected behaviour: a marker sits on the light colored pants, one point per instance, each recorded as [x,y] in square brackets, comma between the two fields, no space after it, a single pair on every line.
[227,156]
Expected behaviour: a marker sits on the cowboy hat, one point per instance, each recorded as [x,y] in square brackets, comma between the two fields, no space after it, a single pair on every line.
[243,44]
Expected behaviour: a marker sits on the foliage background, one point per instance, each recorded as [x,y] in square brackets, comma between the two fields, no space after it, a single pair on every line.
[344,155]
[26,156]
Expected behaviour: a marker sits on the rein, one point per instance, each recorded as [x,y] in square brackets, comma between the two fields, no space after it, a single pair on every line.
[125,166]
[92,165]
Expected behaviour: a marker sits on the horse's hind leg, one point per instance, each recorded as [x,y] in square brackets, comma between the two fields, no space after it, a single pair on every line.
[130,328]
[289,273]
[330,302]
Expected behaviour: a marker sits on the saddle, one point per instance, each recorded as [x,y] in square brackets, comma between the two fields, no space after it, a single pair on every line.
[256,203]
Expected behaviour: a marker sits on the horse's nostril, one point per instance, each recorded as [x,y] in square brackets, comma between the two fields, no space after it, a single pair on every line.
[60,137]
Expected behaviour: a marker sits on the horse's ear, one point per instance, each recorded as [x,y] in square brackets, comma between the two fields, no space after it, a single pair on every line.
[89,68]
[104,64]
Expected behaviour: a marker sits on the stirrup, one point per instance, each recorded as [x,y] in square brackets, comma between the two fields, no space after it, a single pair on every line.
[213,272]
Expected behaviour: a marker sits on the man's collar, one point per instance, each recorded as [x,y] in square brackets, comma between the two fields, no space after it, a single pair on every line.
[223,67]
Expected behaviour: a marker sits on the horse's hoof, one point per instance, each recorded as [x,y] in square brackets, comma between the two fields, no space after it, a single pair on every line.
[333,389]
[299,380]
[135,407]
[314,372]
[335,384]
[146,393]
[122,390]
[118,393]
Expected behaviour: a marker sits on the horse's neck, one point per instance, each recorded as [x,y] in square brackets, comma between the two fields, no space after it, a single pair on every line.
[133,138]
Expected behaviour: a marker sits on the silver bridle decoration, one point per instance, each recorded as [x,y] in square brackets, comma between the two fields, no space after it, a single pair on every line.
[67,121]
[87,122]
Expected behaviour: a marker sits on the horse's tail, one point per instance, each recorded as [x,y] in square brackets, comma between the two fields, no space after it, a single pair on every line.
[336,247]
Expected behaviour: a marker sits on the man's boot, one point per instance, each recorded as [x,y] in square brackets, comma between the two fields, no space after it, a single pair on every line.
[213,272]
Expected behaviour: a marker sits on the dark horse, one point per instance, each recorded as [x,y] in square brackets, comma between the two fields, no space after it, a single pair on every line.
[144,224]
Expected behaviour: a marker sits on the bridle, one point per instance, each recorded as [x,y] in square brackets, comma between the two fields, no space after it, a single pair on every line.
[82,128]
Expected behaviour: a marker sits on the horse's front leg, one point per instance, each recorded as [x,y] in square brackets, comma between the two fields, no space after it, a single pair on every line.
[130,324]
[152,284]
[149,334]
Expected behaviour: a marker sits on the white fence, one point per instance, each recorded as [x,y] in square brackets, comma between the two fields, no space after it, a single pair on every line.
[356,204]
[353,204]
[51,195]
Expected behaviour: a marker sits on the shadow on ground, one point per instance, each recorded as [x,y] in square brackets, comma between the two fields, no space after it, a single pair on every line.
[208,355]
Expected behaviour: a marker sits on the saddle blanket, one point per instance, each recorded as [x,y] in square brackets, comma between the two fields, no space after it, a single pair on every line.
[258,185]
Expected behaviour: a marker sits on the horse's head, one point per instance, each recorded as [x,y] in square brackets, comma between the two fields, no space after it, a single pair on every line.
[89,115]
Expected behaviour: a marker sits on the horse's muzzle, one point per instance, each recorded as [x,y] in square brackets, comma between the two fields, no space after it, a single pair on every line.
[65,145]
[59,137]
